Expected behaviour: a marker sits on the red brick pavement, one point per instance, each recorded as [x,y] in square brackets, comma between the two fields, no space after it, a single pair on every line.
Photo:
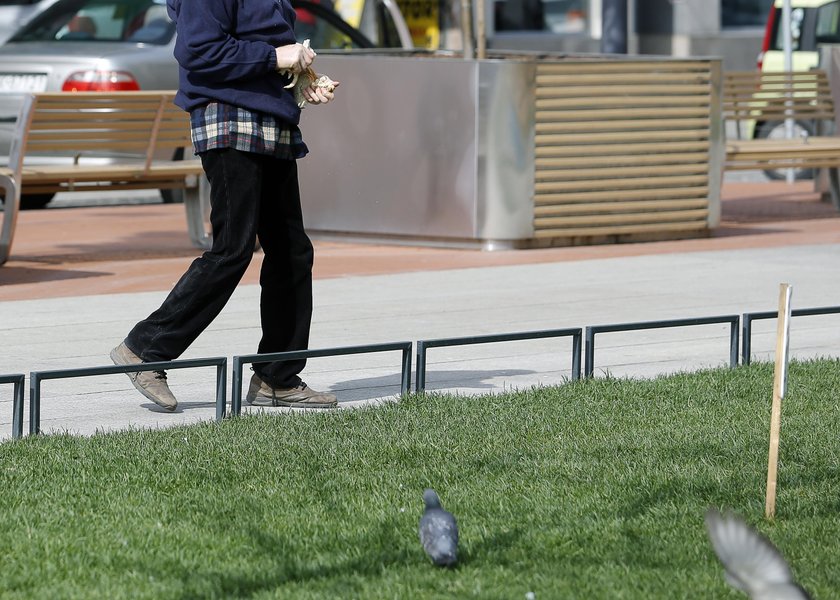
[108,249]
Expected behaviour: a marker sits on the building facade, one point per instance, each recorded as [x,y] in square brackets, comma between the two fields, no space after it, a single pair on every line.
[731,29]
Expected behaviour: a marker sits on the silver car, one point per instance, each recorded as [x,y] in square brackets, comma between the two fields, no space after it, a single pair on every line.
[14,14]
[112,45]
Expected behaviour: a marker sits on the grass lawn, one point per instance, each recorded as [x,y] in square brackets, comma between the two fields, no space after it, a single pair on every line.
[595,489]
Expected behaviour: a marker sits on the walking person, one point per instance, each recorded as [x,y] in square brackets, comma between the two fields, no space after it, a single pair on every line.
[235,60]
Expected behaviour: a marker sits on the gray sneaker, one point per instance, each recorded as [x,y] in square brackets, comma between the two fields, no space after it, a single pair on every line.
[262,394]
[151,384]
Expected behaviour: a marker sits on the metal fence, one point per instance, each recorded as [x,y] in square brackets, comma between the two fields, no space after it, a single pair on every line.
[748,318]
[405,347]
[19,380]
[239,361]
[589,368]
[36,377]
[424,345]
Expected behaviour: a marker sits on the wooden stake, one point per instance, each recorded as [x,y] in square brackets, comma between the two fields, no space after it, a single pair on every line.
[481,36]
[466,29]
[779,385]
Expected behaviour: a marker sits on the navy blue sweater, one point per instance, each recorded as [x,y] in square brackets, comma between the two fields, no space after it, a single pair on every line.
[225,53]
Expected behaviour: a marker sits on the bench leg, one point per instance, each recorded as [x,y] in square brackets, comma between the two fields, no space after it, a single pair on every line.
[197,205]
[11,205]
[834,186]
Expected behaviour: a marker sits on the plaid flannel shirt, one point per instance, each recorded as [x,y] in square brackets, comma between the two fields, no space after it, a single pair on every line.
[219,125]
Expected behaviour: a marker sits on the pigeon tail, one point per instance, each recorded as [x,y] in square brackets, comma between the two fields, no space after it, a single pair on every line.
[431,499]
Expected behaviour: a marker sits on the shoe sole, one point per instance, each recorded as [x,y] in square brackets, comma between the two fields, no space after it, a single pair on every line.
[254,399]
[263,401]
[306,404]
[281,404]
[115,359]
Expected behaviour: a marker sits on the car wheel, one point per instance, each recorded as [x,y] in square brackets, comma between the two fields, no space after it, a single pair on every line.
[776,130]
[174,196]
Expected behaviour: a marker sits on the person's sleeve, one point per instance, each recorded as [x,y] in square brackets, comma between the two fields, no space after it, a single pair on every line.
[206,48]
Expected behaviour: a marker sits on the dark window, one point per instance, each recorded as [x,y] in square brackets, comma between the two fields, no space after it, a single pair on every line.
[101,21]
[801,30]
[744,13]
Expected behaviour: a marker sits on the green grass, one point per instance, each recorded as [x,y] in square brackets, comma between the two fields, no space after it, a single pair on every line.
[595,489]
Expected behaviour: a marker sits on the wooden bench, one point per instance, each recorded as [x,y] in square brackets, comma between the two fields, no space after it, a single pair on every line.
[136,133]
[756,102]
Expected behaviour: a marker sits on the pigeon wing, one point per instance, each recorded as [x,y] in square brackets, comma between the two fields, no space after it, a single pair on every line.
[438,532]
[751,561]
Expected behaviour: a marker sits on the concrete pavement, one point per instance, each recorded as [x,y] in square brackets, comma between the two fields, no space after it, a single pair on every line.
[66,298]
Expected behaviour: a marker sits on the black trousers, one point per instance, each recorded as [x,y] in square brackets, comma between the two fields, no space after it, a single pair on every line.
[252,196]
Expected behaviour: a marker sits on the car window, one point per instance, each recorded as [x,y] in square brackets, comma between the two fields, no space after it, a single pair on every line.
[828,23]
[325,30]
[800,19]
[101,21]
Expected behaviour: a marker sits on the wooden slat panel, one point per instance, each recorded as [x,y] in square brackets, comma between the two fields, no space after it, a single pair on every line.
[606,175]
[620,207]
[602,67]
[623,218]
[583,91]
[98,124]
[620,184]
[626,112]
[165,170]
[793,163]
[548,100]
[552,199]
[560,139]
[615,160]
[626,125]
[78,125]
[772,144]
[623,78]
[620,149]
[82,146]
[749,95]
[106,135]
[575,232]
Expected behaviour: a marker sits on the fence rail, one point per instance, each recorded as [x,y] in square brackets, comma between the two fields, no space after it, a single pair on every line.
[424,345]
[239,361]
[589,368]
[36,377]
[405,347]
[19,380]
[748,318]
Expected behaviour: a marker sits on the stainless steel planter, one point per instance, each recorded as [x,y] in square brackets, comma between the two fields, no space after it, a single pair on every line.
[442,150]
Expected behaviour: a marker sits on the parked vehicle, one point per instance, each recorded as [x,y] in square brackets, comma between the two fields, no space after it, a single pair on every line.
[812,22]
[112,45]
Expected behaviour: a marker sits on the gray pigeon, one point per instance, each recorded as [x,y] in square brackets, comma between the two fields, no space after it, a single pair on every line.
[752,563]
[438,531]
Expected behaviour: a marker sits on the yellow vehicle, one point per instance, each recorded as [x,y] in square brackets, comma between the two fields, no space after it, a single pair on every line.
[812,22]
